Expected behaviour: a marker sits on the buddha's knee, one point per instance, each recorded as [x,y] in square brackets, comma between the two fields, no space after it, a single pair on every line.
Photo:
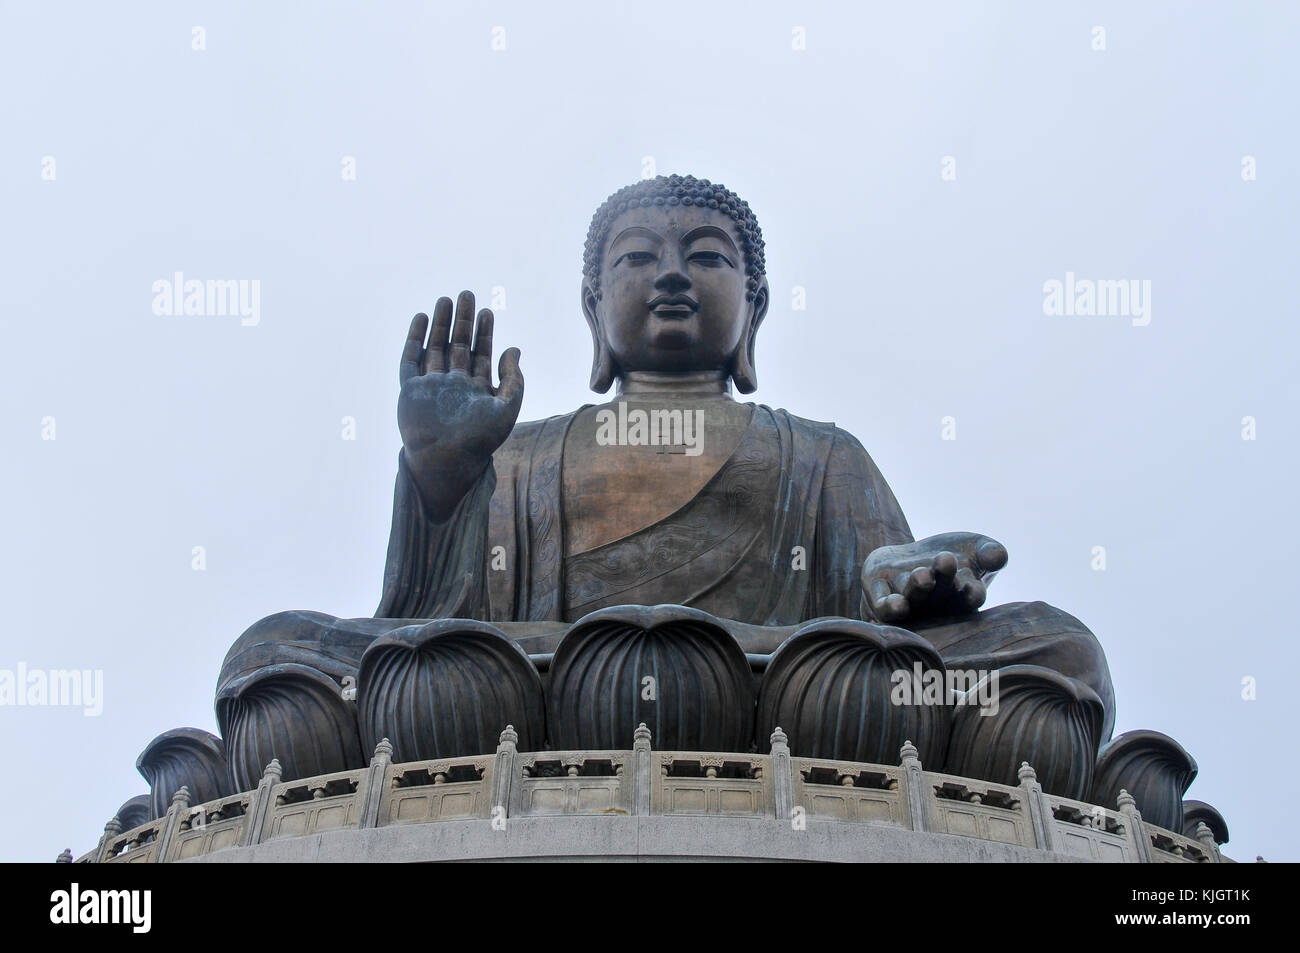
[1028,633]
[286,692]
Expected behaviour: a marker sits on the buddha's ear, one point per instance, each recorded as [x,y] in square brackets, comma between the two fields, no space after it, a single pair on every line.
[602,361]
[742,366]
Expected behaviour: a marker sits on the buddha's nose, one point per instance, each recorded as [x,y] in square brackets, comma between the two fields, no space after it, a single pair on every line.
[672,277]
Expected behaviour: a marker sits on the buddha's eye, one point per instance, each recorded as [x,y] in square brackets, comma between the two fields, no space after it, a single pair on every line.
[634,258]
[709,259]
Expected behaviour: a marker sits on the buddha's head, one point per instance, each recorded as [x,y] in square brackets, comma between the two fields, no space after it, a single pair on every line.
[673,282]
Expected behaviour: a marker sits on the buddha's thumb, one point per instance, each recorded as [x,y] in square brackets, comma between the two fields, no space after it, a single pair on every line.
[512,379]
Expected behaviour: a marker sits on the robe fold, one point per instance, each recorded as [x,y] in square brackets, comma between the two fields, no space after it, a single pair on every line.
[777,536]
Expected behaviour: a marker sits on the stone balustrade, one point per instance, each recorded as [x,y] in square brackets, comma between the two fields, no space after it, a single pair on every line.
[510,784]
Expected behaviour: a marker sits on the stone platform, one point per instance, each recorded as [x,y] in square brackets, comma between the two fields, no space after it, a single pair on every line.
[644,804]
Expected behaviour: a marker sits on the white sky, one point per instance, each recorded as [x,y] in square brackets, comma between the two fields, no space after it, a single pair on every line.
[479,168]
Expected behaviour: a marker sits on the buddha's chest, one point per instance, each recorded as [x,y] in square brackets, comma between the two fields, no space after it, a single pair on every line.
[630,464]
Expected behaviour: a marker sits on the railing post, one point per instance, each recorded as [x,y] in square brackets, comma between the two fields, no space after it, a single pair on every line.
[1039,815]
[641,779]
[368,816]
[914,784]
[782,786]
[111,830]
[171,824]
[1137,832]
[1206,837]
[503,773]
[260,807]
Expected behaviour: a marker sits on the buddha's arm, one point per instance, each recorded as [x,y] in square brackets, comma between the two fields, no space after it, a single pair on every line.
[452,420]
[857,515]
[901,580]
[875,570]
[435,567]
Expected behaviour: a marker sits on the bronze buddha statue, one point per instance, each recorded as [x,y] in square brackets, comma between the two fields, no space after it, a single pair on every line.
[776,536]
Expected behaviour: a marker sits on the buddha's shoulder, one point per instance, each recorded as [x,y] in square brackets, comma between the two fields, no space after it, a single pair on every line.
[820,430]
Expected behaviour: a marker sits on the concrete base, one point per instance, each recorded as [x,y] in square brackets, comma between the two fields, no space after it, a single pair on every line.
[650,838]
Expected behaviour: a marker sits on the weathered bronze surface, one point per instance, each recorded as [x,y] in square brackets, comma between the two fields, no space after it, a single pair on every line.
[671,494]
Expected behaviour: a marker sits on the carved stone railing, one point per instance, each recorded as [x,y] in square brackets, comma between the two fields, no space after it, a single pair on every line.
[211,827]
[571,782]
[695,782]
[1170,848]
[423,792]
[136,846]
[643,782]
[313,805]
[1095,832]
[993,812]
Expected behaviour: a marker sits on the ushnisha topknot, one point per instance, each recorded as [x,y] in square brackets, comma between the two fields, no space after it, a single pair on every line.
[676,190]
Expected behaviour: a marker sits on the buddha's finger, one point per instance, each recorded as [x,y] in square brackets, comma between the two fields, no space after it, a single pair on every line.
[512,379]
[944,566]
[990,555]
[916,584]
[885,603]
[482,366]
[970,590]
[413,348]
[893,609]
[458,355]
[435,355]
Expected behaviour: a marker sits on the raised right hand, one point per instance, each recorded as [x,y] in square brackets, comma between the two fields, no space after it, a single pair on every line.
[450,416]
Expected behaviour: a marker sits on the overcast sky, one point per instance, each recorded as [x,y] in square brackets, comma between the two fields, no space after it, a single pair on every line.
[130,155]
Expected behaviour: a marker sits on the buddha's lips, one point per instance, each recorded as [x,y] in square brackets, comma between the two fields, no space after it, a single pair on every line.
[674,306]
[677,300]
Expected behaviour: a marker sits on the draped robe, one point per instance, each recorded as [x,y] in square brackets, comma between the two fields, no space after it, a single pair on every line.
[778,535]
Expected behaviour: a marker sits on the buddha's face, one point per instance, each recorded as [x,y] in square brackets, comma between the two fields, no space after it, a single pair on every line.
[673,290]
